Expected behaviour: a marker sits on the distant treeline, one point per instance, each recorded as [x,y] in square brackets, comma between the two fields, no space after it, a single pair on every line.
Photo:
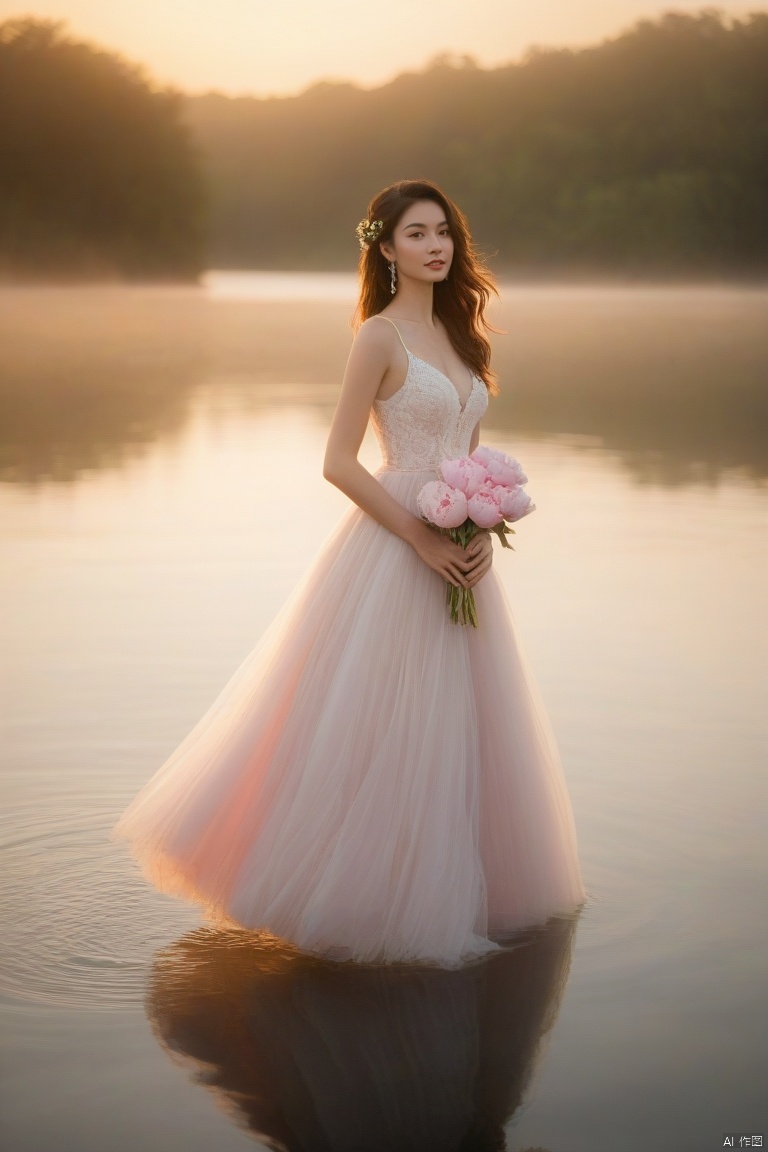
[647,154]
[98,171]
[644,155]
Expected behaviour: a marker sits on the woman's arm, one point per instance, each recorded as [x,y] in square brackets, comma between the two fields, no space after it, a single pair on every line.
[368,360]
[371,354]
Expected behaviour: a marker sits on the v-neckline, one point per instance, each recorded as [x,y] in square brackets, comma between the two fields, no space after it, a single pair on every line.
[454,389]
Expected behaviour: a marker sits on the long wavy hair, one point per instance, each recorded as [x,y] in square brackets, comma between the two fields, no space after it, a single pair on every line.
[459,301]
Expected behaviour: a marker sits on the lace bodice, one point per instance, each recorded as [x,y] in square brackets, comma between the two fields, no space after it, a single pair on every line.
[424,422]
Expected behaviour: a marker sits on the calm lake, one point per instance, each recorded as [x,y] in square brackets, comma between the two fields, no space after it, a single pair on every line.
[161,492]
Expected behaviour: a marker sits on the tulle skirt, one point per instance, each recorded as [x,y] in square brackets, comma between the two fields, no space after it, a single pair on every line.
[375,783]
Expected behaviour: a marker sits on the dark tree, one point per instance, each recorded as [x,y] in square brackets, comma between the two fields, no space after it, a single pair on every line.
[98,172]
[646,154]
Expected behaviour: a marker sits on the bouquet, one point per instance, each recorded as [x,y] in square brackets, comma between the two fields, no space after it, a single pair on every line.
[478,492]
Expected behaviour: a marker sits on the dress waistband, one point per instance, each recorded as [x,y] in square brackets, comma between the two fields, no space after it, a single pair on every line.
[424,468]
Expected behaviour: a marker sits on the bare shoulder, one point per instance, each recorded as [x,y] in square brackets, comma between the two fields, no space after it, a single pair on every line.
[375,335]
[373,348]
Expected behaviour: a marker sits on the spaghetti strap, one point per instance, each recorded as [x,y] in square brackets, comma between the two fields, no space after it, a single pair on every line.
[380,317]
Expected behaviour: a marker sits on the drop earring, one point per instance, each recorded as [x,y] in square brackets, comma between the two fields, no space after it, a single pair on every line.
[392,281]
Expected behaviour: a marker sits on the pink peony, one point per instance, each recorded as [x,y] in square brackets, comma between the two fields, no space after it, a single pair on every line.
[485,509]
[477,492]
[500,467]
[442,504]
[463,473]
[482,454]
[516,503]
[506,472]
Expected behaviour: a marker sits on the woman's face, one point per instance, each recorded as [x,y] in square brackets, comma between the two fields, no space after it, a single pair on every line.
[421,245]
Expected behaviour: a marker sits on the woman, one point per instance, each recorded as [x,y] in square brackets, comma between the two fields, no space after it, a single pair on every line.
[377,783]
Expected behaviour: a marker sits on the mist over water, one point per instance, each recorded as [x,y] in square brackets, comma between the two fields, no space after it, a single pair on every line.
[670,379]
[161,492]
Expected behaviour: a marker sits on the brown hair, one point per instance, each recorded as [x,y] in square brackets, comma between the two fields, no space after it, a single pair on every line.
[459,301]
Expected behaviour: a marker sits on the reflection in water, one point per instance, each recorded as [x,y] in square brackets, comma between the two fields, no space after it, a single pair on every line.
[79,428]
[313,1055]
[89,377]
[672,380]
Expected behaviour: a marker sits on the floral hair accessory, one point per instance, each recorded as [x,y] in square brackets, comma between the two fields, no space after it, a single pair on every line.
[367,231]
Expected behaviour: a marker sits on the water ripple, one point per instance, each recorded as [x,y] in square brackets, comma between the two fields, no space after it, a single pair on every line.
[79,926]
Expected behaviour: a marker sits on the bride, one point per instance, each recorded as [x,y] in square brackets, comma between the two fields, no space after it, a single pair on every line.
[377,783]
[419,253]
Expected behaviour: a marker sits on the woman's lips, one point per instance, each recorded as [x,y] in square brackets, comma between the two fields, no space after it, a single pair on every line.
[436,264]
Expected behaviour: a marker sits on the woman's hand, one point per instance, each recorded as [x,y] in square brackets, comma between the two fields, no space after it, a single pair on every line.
[462,567]
[480,554]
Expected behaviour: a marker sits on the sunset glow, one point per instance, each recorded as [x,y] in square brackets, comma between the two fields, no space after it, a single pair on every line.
[250,46]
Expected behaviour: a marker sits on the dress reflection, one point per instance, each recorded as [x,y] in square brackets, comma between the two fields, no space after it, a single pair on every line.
[311,1056]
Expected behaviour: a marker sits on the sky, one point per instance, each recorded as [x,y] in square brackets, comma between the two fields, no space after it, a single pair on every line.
[266,47]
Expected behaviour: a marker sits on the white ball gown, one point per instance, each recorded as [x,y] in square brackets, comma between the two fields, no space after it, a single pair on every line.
[375,783]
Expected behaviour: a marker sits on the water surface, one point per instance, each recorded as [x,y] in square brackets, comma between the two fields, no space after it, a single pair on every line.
[157,447]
